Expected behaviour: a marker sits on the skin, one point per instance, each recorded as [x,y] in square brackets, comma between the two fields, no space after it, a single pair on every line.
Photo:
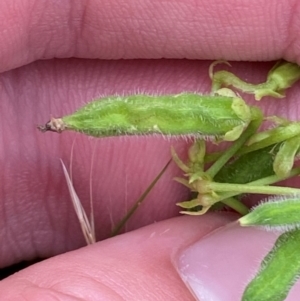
[36,215]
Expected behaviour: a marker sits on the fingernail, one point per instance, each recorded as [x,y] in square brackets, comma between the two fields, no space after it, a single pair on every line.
[221,264]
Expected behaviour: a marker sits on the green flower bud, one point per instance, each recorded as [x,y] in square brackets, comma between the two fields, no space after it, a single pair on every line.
[285,157]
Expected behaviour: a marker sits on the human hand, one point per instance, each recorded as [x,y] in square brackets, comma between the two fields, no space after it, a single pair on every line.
[37,216]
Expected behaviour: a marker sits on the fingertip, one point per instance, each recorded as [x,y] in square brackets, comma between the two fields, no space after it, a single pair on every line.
[134,266]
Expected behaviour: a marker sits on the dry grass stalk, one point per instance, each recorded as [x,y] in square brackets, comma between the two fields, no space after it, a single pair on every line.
[87,226]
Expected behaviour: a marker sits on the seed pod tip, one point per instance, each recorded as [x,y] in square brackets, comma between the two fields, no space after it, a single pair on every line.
[54,125]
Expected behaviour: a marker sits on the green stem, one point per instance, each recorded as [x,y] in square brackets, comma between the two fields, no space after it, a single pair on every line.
[265,181]
[275,178]
[210,158]
[246,188]
[236,205]
[226,156]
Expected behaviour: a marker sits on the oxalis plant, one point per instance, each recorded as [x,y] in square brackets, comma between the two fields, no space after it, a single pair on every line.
[252,162]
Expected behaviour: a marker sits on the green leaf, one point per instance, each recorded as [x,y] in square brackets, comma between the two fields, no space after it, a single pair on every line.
[249,167]
[279,270]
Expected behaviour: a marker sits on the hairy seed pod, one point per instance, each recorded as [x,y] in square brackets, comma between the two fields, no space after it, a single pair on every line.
[186,114]
[280,213]
[279,271]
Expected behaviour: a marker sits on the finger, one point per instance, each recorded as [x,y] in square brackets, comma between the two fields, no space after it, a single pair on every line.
[215,29]
[134,266]
[243,254]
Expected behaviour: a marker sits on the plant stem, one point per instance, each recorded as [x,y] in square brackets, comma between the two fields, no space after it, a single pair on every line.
[236,205]
[131,211]
[246,188]
[265,181]
[225,157]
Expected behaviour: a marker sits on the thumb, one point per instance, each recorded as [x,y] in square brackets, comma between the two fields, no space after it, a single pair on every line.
[133,266]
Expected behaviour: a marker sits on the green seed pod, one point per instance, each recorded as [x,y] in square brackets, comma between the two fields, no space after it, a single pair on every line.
[277,213]
[281,77]
[186,114]
[279,270]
